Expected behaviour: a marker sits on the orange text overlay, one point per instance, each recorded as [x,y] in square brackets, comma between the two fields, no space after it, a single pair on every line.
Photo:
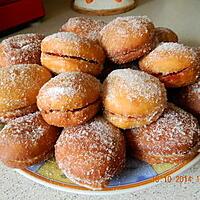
[178,179]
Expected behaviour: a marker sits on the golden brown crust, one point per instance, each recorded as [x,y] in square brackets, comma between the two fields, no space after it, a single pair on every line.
[84,26]
[176,65]
[68,91]
[165,35]
[133,97]
[26,140]
[173,137]
[20,85]
[21,49]
[127,38]
[71,118]
[92,153]
[71,45]
[10,115]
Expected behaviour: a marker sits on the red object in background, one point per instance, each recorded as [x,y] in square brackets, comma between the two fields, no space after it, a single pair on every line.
[17,12]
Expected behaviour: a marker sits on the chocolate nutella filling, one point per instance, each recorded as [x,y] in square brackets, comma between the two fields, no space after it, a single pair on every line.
[169,74]
[129,117]
[73,110]
[73,57]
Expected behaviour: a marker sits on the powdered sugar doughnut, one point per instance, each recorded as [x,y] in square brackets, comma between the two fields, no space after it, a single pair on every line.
[91,154]
[66,51]
[21,49]
[173,138]
[174,64]
[26,141]
[84,26]
[128,38]
[69,99]
[132,98]
[20,85]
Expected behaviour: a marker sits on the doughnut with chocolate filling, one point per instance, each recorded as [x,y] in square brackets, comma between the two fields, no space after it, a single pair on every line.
[173,138]
[84,26]
[21,49]
[66,51]
[91,154]
[165,35]
[189,98]
[20,85]
[132,98]
[27,140]
[174,64]
[69,99]
[128,38]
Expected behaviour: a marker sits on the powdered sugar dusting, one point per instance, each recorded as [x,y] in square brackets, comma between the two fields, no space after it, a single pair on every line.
[84,26]
[123,25]
[69,84]
[66,36]
[176,131]
[134,83]
[23,48]
[30,127]
[18,81]
[186,97]
[174,49]
[99,128]
[12,114]
[95,143]
[195,88]
[62,90]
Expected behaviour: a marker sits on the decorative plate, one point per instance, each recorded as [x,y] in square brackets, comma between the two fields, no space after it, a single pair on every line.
[136,175]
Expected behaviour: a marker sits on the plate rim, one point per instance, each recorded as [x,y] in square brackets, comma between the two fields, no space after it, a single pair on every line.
[123,189]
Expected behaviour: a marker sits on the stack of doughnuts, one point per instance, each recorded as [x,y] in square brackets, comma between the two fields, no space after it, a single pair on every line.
[52,101]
